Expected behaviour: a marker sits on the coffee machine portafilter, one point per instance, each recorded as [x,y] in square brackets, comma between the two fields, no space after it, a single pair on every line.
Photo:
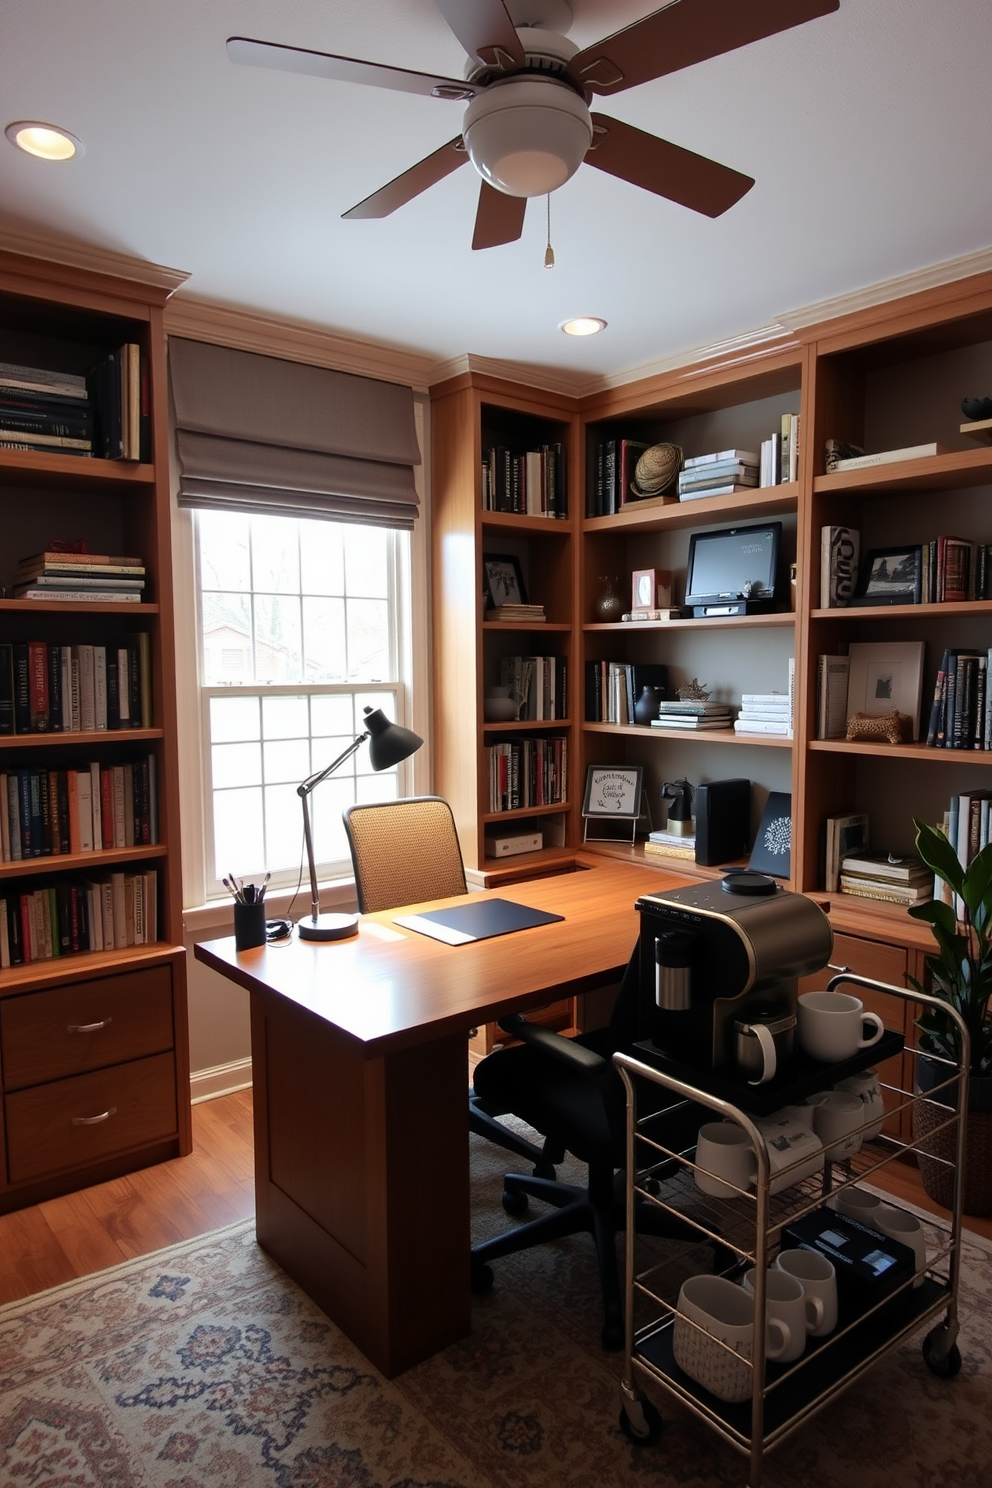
[719,951]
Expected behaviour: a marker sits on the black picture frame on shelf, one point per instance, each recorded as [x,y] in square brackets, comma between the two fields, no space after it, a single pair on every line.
[890,576]
[503,580]
[772,850]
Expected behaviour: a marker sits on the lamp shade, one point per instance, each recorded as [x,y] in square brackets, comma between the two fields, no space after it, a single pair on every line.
[527,136]
[389,742]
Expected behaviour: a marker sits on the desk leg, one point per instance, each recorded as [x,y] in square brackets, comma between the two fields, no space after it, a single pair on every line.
[361,1180]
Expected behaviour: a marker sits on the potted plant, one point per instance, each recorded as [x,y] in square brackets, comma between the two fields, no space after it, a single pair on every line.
[960,973]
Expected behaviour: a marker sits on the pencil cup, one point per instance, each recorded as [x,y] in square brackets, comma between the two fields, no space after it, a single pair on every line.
[249,925]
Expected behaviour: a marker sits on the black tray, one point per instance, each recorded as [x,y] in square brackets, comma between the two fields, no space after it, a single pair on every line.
[805,1076]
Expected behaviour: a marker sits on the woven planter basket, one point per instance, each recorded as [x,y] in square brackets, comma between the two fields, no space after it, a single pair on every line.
[938,1178]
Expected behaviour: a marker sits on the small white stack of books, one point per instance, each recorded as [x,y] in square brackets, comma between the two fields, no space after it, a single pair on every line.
[765,713]
[693,713]
[885,876]
[664,844]
[718,474]
[526,613]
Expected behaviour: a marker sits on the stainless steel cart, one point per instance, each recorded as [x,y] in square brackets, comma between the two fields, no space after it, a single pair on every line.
[746,1230]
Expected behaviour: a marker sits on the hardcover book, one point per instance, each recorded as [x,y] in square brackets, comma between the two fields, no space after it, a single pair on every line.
[838,565]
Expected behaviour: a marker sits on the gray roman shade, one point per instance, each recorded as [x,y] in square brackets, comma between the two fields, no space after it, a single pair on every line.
[259,434]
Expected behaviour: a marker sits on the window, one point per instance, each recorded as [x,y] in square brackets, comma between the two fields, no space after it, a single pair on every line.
[298,632]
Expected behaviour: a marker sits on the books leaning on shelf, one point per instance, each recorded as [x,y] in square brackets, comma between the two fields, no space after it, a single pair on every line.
[109,912]
[50,688]
[844,836]
[613,688]
[955,570]
[541,683]
[528,772]
[961,708]
[831,696]
[48,813]
[531,484]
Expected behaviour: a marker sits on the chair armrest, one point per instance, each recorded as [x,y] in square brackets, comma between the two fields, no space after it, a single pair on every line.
[565,1050]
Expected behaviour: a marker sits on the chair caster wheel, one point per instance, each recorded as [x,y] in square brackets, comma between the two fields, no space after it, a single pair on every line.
[945,1366]
[482,1279]
[646,1431]
[514,1202]
[545,1170]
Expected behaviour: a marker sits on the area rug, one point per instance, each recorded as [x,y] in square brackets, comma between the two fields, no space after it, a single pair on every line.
[202,1366]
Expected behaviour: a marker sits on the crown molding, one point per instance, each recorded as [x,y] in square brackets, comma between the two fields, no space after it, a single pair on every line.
[298,341]
[546,379]
[76,255]
[889,289]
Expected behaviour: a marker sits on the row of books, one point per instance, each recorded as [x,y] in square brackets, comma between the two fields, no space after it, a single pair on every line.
[532,483]
[79,577]
[611,488]
[944,570]
[954,569]
[53,813]
[961,710]
[613,688]
[83,688]
[70,917]
[540,681]
[103,412]
[528,772]
[779,454]
[967,825]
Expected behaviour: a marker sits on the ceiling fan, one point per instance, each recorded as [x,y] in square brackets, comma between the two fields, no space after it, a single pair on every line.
[528,126]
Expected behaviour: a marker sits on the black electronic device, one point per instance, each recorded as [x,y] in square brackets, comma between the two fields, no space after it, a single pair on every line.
[733,571]
[869,1265]
[722,810]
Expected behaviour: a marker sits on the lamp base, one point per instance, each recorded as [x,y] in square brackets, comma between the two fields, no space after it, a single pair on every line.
[328,927]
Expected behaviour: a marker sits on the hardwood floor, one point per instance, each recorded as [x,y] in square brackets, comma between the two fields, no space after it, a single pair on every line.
[132,1216]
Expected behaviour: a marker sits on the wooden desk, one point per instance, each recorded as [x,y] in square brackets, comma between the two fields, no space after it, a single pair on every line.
[360,1070]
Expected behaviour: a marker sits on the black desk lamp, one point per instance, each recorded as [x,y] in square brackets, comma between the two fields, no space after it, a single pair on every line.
[390,744]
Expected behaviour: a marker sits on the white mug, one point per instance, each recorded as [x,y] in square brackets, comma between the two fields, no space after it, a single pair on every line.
[717,1351]
[866,1087]
[819,1280]
[857,1203]
[726,1162]
[832,1025]
[899,1224]
[837,1119]
[786,1301]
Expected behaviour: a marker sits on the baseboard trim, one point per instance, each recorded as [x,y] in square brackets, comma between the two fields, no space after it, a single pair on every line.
[221,1079]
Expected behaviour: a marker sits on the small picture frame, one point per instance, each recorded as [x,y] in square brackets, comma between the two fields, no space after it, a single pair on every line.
[889,576]
[503,580]
[651,589]
[886,677]
[614,791]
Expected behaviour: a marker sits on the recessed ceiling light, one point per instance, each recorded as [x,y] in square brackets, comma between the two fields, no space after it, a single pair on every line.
[583,325]
[46,141]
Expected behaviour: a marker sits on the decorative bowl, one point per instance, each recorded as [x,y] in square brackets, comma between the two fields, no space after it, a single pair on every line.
[499,709]
[976,408]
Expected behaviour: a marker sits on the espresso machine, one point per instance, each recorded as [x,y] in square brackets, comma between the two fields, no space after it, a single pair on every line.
[716,955]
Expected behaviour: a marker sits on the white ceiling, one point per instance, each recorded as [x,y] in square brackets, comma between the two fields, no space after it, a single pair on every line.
[867,131]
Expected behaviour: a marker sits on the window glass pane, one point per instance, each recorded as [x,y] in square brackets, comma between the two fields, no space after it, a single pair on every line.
[224,552]
[323,751]
[324,632]
[226,626]
[277,639]
[368,640]
[233,718]
[236,764]
[239,845]
[275,553]
[333,714]
[367,563]
[284,830]
[287,760]
[322,556]
[383,786]
[285,718]
[327,802]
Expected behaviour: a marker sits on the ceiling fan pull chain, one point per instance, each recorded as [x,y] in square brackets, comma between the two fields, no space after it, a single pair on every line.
[549,252]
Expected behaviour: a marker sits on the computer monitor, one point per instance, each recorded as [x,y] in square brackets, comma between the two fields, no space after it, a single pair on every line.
[732,571]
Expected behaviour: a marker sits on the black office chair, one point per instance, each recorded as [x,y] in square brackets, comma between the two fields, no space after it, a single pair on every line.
[405,852]
[570,1090]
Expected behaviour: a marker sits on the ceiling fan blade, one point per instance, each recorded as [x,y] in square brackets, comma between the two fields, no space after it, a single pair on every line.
[683,33]
[668,170]
[499,218]
[412,182]
[271,54]
[485,30]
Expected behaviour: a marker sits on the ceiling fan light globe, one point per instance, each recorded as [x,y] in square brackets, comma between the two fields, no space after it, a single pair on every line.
[527,136]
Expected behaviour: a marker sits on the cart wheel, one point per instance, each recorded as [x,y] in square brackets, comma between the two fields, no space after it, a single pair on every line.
[945,1366]
[643,1433]
[514,1202]
[482,1279]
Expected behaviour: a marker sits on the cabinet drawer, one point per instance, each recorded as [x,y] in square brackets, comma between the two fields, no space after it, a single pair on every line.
[66,1124]
[85,1026]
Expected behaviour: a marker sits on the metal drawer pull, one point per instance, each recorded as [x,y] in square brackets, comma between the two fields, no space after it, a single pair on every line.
[89,1027]
[94,1120]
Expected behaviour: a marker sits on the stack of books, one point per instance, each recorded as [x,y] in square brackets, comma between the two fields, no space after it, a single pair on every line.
[664,844]
[693,713]
[102,578]
[765,713]
[49,412]
[526,614]
[885,876]
[719,474]
[961,711]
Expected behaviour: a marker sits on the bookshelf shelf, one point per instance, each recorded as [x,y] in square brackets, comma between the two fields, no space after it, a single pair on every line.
[915,751]
[29,468]
[80,862]
[644,516]
[948,610]
[777,620]
[73,611]
[934,473]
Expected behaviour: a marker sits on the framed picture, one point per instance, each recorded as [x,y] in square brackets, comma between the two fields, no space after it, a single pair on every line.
[503,580]
[889,576]
[651,589]
[613,791]
[772,850]
[886,676]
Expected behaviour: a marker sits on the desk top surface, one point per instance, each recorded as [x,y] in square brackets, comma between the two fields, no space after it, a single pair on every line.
[391,988]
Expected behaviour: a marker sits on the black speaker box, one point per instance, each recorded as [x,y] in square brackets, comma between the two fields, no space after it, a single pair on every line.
[722,809]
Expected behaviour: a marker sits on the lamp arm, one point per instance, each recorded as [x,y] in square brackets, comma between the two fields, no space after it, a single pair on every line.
[306,786]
